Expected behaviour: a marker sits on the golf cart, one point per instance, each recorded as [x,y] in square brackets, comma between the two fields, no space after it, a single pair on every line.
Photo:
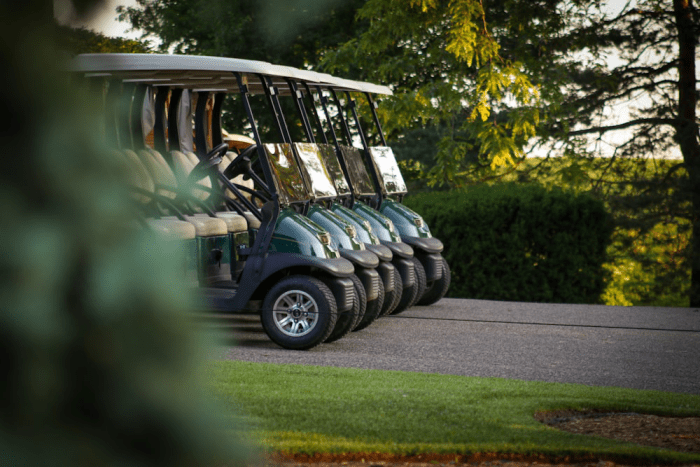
[388,190]
[279,258]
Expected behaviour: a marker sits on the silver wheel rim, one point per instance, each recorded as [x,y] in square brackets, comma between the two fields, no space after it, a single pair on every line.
[295,313]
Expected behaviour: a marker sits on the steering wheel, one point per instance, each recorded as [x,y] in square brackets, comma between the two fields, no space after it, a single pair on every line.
[212,158]
[242,158]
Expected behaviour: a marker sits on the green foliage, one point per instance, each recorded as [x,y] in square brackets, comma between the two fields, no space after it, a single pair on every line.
[520,243]
[83,41]
[648,257]
[284,32]
[99,362]
[409,413]
[442,62]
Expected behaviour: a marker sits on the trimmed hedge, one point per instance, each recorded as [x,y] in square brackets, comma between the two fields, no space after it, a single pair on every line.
[520,242]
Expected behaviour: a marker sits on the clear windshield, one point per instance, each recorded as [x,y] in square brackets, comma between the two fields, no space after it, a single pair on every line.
[388,170]
[330,160]
[320,181]
[288,180]
[357,171]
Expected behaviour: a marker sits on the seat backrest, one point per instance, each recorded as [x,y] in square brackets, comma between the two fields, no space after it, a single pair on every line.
[137,173]
[183,166]
[160,171]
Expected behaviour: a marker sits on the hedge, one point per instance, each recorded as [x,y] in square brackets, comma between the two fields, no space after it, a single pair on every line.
[520,242]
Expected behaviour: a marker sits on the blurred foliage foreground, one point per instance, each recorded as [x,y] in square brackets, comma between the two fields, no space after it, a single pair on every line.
[646,260]
[99,365]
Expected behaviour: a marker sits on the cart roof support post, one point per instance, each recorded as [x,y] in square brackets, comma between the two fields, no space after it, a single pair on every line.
[271,92]
[138,138]
[343,122]
[373,107]
[159,127]
[112,108]
[317,118]
[379,196]
[339,154]
[173,119]
[303,115]
[200,124]
[217,136]
[262,157]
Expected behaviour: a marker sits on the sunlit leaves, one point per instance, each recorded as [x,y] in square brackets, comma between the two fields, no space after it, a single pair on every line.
[442,61]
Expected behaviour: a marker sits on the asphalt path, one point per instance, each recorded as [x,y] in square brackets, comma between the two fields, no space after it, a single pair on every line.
[632,347]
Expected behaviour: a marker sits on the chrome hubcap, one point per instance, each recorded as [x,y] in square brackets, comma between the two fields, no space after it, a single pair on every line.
[295,313]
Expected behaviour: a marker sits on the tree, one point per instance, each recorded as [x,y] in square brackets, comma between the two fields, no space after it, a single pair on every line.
[585,60]
[644,55]
[444,65]
[284,32]
[82,41]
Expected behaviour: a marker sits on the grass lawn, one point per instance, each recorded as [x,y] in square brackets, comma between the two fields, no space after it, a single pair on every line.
[307,409]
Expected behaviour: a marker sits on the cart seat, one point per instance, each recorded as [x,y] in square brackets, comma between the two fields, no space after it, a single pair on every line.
[173,229]
[160,172]
[182,166]
[253,222]
[205,226]
[163,175]
[234,221]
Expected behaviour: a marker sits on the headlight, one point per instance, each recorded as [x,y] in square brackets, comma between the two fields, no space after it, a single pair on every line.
[368,226]
[418,221]
[390,226]
[325,238]
[350,229]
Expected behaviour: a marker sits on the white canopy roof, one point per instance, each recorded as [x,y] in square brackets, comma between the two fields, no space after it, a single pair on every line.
[205,73]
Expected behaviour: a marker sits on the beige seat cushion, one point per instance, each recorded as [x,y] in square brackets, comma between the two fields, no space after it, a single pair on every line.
[173,228]
[206,226]
[139,175]
[253,221]
[183,166]
[160,171]
[234,221]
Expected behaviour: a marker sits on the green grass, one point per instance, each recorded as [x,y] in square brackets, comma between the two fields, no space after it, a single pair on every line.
[306,409]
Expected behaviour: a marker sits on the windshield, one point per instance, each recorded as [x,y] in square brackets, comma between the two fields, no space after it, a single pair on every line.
[286,174]
[357,171]
[320,181]
[330,160]
[388,170]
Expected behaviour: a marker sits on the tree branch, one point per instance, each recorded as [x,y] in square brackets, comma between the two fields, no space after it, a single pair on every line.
[622,126]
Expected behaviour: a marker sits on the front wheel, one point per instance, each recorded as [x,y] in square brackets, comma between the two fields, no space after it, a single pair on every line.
[391,300]
[348,320]
[299,312]
[374,308]
[437,289]
[411,294]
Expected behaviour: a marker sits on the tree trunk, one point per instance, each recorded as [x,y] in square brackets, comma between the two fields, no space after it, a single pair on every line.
[687,128]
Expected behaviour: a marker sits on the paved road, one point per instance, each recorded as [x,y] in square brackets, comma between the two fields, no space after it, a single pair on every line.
[633,347]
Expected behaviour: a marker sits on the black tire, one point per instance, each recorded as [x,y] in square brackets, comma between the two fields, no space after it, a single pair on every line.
[421,280]
[373,309]
[347,321]
[410,294]
[283,326]
[391,301]
[437,289]
[362,295]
